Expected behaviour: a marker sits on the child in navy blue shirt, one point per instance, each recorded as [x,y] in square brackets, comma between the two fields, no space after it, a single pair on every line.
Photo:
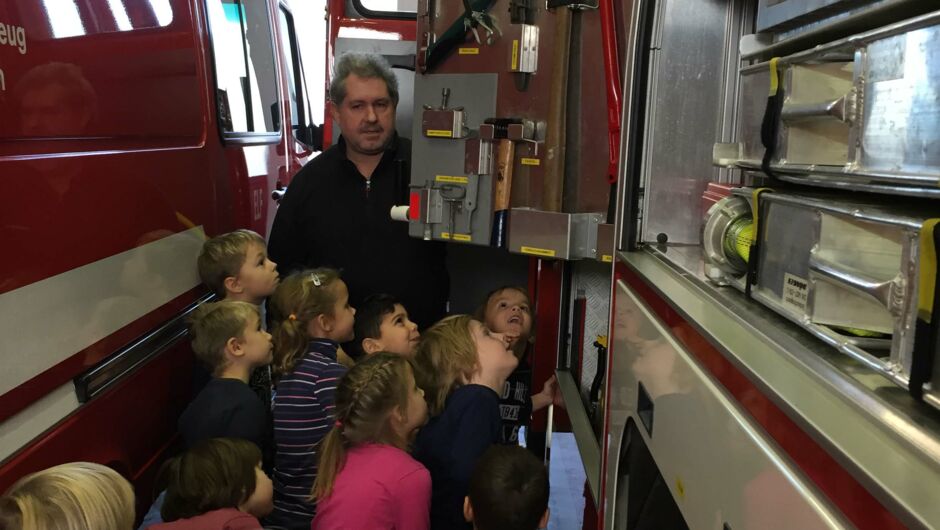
[462,367]
[312,316]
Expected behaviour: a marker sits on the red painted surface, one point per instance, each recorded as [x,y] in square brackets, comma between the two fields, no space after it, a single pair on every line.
[126,428]
[118,145]
[547,294]
[612,84]
[842,489]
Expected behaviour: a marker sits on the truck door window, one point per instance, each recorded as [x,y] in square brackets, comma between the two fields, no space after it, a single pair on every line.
[296,85]
[246,76]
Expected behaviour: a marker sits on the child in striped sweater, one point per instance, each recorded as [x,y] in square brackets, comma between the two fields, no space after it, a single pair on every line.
[312,316]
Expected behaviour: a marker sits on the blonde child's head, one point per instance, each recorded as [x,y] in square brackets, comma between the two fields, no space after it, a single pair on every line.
[377,401]
[236,266]
[456,351]
[312,304]
[75,496]
[508,310]
[226,332]
[215,474]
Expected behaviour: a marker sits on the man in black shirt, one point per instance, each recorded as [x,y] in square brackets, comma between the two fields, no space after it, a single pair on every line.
[336,210]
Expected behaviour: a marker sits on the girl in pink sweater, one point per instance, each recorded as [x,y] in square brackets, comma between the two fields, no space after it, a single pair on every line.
[366,479]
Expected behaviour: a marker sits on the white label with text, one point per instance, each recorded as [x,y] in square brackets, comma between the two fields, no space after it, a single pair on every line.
[795,292]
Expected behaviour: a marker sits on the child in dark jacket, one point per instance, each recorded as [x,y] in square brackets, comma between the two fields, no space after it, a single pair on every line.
[462,367]
[217,484]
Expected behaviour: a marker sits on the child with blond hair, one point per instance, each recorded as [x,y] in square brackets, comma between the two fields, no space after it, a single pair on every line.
[462,367]
[366,478]
[507,310]
[312,317]
[236,267]
[78,495]
[229,340]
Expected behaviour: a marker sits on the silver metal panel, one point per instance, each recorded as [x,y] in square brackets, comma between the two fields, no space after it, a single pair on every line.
[538,233]
[584,228]
[684,115]
[605,243]
[441,161]
[887,441]
[774,13]
[835,266]
[892,113]
[902,105]
[696,433]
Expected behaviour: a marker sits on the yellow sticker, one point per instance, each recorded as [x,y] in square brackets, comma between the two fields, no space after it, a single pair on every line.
[515,55]
[439,133]
[457,237]
[468,51]
[680,489]
[531,162]
[452,180]
[547,252]
[607,258]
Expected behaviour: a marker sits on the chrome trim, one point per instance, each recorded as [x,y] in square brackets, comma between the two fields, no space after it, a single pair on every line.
[811,37]
[878,433]
[582,429]
[125,361]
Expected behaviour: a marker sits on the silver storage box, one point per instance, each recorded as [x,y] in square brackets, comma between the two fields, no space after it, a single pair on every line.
[862,113]
[848,272]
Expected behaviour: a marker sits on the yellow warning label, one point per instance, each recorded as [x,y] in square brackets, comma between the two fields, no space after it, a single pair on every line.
[607,258]
[457,237]
[546,252]
[468,51]
[439,133]
[680,489]
[531,162]
[449,179]
[515,55]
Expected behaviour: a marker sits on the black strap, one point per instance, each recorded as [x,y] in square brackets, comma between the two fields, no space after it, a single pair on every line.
[926,337]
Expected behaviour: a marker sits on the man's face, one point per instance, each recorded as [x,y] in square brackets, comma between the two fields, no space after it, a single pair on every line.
[367,116]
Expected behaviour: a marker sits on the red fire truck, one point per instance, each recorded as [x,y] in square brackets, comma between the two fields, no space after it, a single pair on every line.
[130,131]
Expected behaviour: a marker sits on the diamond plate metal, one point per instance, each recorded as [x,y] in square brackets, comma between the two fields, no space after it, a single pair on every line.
[593,278]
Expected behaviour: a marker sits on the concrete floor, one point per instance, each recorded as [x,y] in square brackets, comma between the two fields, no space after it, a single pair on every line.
[566,482]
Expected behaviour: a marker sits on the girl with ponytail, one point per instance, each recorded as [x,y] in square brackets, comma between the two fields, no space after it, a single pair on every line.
[311,316]
[366,479]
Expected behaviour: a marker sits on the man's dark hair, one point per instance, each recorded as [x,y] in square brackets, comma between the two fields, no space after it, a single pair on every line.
[508,489]
[369,315]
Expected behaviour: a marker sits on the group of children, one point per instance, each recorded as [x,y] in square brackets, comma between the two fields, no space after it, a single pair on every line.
[420,431]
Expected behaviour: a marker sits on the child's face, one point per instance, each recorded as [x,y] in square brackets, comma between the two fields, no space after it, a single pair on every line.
[256,343]
[417,414]
[261,501]
[398,334]
[258,275]
[344,316]
[508,312]
[493,351]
